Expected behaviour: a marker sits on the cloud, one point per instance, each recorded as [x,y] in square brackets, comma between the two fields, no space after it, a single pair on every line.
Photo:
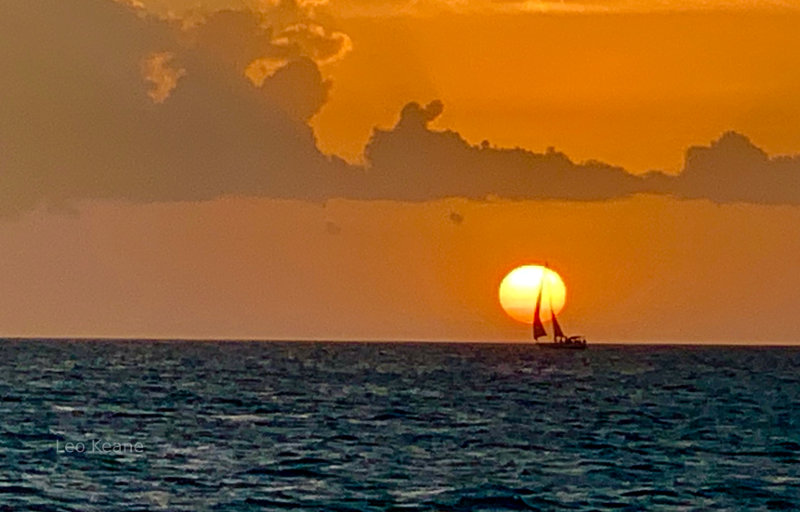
[261,69]
[298,88]
[231,39]
[157,70]
[733,169]
[80,122]
[413,162]
[415,115]
[275,30]
[103,101]
[315,42]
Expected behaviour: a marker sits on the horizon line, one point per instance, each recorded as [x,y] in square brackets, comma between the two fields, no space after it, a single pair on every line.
[402,341]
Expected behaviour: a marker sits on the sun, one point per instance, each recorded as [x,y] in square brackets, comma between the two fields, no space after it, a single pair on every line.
[520,288]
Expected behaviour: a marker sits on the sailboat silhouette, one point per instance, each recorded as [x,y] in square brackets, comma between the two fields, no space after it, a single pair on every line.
[560,340]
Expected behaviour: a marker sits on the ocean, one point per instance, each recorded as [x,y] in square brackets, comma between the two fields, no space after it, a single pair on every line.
[241,426]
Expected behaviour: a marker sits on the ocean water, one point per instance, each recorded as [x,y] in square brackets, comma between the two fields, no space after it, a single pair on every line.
[234,426]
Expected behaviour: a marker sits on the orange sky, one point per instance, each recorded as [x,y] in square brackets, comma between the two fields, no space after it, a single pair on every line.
[152,191]
[631,82]
[631,89]
[642,269]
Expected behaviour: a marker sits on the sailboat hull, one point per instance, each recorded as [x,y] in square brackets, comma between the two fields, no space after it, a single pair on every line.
[562,346]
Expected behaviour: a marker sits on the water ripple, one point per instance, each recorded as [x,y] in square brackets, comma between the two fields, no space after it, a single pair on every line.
[374,427]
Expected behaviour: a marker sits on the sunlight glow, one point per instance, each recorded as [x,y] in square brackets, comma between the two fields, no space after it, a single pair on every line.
[519,289]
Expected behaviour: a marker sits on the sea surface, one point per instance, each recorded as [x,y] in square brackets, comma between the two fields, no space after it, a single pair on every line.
[240,426]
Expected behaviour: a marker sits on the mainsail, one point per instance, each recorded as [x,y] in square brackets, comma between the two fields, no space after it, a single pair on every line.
[538,328]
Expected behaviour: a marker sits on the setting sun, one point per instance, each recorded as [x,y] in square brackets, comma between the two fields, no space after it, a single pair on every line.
[519,289]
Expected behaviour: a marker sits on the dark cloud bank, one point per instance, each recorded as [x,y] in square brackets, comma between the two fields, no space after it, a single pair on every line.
[98,100]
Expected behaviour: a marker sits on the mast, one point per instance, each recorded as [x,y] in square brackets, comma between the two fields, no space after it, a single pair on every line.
[537,326]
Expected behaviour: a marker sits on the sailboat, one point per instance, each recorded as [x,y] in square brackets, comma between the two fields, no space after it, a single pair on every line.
[560,340]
